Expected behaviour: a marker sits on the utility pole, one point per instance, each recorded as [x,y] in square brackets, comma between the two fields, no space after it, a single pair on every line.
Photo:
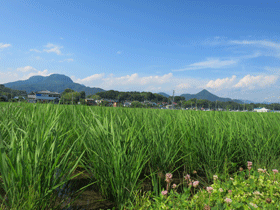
[181,104]
[216,105]
[173,100]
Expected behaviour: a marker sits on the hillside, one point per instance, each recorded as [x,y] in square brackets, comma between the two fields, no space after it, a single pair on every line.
[164,94]
[54,82]
[205,94]
[7,93]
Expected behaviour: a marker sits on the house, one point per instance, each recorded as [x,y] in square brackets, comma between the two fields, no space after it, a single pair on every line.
[127,104]
[116,104]
[90,101]
[99,101]
[261,110]
[44,96]
[169,106]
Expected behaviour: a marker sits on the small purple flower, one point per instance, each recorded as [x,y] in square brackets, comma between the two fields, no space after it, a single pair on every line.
[196,183]
[164,192]
[187,177]
[209,189]
[228,200]
[275,171]
[168,177]
[249,164]
[174,186]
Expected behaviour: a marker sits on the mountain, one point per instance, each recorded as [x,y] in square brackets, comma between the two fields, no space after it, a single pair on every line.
[164,94]
[54,82]
[205,94]
[244,101]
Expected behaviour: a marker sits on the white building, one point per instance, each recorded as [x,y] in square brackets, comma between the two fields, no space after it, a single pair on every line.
[127,104]
[261,110]
[44,96]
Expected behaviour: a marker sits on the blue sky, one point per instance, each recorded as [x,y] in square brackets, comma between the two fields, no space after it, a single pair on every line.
[231,48]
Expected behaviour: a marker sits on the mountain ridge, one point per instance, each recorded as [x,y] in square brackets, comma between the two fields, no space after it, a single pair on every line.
[205,94]
[53,82]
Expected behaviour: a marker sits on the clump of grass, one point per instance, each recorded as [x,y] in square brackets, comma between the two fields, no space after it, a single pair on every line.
[33,147]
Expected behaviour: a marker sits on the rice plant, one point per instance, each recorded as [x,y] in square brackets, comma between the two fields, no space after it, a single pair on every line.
[42,145]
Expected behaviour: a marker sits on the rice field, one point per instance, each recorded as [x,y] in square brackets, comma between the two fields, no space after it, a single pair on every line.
[50,154]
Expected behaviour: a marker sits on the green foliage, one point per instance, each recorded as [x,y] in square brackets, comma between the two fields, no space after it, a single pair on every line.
[70,97]
[122,147]
[243,191]
[95,97]
[36,157]
[136,104]
[10,93]
[131,96]
[83,94]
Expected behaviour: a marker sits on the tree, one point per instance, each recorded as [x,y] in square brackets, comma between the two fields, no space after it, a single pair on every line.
[83,94]
[136,104]
[95,97]
[67,90]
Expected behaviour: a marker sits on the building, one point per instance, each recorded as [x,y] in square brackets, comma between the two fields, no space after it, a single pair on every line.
[169,107]
[261,110]
[116,104]
[90,101]
[44,96]
[127,104]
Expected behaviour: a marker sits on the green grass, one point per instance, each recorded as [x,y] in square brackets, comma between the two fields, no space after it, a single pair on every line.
[119,145]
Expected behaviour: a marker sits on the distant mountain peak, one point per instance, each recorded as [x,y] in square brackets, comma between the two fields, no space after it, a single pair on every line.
[53,82]
[163,94]
[205,94]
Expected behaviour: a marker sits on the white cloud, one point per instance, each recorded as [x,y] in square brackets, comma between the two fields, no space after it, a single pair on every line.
[221,83]
[251,82]
[21,73]
[183,86]
[134,79]
[67,60]
[272,48]
[209,63]
[38,73]
[35,50]
[262,43]
[2,45]
[119,52]
[134,82]
[53,48]
[9,76]
[26,69]
[88,80]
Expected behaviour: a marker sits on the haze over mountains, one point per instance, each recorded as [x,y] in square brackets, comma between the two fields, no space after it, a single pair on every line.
[59,82]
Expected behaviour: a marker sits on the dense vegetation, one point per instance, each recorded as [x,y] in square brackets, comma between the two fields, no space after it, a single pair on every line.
[42,145]
[10,93]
